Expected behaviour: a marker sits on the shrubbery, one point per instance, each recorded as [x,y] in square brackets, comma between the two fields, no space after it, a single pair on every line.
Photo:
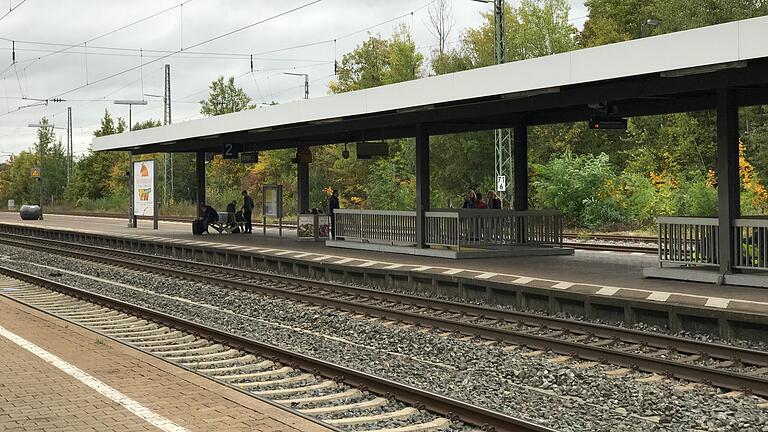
[591,194]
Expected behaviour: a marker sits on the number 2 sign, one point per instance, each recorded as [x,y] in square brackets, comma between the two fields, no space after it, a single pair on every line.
[230,150]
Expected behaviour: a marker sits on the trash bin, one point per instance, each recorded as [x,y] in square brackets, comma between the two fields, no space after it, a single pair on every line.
[29,212]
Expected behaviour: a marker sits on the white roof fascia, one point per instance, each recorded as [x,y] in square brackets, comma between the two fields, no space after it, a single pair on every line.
[734,41]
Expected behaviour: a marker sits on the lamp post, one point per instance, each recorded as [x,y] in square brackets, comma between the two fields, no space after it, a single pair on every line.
[306,82]
[130,104]
[42,153]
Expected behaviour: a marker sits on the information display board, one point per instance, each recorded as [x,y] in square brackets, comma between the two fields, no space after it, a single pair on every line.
[144,188]
[273,201]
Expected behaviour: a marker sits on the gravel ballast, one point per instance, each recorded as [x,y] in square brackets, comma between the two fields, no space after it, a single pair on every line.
[559,396]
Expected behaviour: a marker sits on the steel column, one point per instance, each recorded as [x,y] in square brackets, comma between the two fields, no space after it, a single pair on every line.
[520,197]
[302,186]
[422,183]
[728,199]
[200,175]
[521,168]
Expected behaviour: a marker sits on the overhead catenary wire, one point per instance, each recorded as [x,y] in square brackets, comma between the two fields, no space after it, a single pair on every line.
[187,51]
[270,18]
[11,9]
[180,55]
[86,42]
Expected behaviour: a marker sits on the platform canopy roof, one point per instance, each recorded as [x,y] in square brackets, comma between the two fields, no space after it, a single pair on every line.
[676,72]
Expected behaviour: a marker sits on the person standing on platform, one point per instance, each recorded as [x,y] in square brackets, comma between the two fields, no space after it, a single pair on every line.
[247,211]
[479,202]
[469,201]
[494,202]
[333,204]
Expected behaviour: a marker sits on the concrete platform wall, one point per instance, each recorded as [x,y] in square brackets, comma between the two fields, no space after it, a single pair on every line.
[722,323]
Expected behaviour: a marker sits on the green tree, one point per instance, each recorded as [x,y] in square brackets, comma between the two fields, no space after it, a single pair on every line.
[15,178]
[224,98]
[146,124]
[378,62]
[94,173]
[224,178]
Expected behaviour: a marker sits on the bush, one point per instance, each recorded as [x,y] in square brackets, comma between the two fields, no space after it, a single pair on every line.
[695,198]
[576,185]
[602,214]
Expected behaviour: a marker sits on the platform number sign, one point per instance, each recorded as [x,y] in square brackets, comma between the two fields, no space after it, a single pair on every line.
[230,151]
[501,183]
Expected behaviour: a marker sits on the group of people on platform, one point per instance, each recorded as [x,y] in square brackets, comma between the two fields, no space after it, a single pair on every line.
[240,219]
[475,200]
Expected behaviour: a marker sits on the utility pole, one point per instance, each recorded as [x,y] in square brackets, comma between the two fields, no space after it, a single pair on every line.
[168,161]
[42,142]
[70,145]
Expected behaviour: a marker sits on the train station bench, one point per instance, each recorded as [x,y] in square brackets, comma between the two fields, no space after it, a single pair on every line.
[226,224]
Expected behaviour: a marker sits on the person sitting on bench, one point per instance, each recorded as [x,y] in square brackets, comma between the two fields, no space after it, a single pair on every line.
[210,216]
[231,209]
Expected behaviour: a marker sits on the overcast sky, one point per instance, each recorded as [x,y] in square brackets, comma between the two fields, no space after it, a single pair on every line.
[78,74]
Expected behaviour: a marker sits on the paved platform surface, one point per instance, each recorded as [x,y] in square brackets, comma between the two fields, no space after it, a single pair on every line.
[42,390]
[615,274]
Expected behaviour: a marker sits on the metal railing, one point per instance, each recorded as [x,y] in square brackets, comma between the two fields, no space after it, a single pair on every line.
[454,228]
[695,241]
[394,227]
[750,236]
[688,240]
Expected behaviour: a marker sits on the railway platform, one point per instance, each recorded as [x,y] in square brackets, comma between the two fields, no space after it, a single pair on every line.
[58,376]
[601,284]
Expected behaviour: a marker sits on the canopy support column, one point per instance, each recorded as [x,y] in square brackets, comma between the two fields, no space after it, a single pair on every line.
[422,183]
[200,176]
[302,186]
[728,188]
[520,199]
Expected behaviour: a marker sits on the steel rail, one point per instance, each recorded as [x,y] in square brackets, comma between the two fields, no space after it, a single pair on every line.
[658,340]
[214,275]
[611,247]
[443,405]
[613,237]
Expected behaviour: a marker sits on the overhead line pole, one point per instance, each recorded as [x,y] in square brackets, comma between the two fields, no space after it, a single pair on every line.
[503,154]
[168,161]
[504,165]
[306,82]
[70,145]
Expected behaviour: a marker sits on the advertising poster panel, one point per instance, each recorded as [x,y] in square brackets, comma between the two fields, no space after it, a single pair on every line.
[144,188]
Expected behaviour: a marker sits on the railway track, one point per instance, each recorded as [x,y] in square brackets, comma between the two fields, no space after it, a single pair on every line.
[341,398]
[614,243]
[720,365]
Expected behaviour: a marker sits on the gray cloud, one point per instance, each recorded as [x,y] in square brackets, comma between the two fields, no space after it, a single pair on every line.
[74,21]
